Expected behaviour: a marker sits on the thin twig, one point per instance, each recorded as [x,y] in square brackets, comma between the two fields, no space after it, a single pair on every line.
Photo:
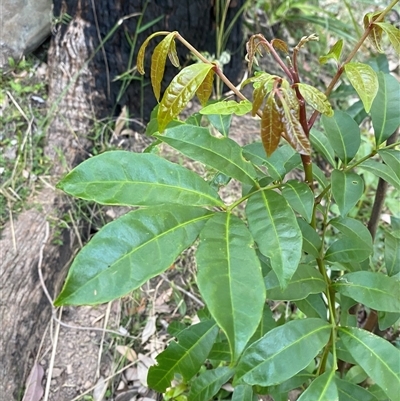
[187,293]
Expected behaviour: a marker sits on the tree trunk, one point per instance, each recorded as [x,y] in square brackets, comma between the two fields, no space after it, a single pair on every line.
[82,88]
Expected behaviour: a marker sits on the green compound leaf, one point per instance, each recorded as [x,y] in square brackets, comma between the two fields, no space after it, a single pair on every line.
[207,384]
[244,392]
[227,267]
[127,252]
[348,250]
[184,357]
[221,122]
[392,158]
[223,154]
[270,360]
[351,392]
[364,80]
[311,240]
[322,145]
[276,231]
[381,170]
[312,306]
[376,356]
[181,89]
[374,290]
[228,107]
[158,60]
[392,254]
[267,323]
[334,53]
[323,388]
[385,112]
[316,99]
[305,281]
[300,198]
[347,189]
[393,34]
[353,228]
[137,179]
[343,134]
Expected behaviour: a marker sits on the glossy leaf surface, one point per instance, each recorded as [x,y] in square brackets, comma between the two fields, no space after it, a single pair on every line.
[385,112]
[343,134]
[300,198]
[322,145]
[208,383]
[391,157]
[311,240]
[316,99]
[364,81]
[351,392]
[127,252]
[205,89]
[221,122]
[313,306]
[158,59]
[347,250]
[228,107]
[270,360]
[142,50]
[347,189]
[271,125]
[244,392]
[392,254]
[376,356]
[137,179]
[223,154]
[374,290]
[184,357]
[305,281]
[323,388]
[226,254]
[181,89]
[393,34]
[354,229]
[275,229]
[381,170]
[334,52]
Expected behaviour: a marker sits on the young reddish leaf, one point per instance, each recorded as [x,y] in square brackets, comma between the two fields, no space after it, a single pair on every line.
[34,390]
[158,60]
[173,55]
[205,89]
[293,130]
[393,33]
[271,125]
[142,51]
[365,82]
[334,53]
[280,45]
[261,90]
[291,98]
[252,47]
[181,89]
[316,99]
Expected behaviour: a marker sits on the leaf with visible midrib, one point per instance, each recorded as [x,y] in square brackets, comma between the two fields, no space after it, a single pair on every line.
[223,154]
[181,89]
[185,356]
[374,290]
[227,267]
[137,179]
[271,360]
[127,252]
[323,388]
[276,231]
[378,358]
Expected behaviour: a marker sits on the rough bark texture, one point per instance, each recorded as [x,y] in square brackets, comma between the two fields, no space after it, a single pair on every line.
[79,91]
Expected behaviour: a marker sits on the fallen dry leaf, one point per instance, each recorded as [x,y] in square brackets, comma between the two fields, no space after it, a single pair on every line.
[34,389]
[149,329]
[127,352]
